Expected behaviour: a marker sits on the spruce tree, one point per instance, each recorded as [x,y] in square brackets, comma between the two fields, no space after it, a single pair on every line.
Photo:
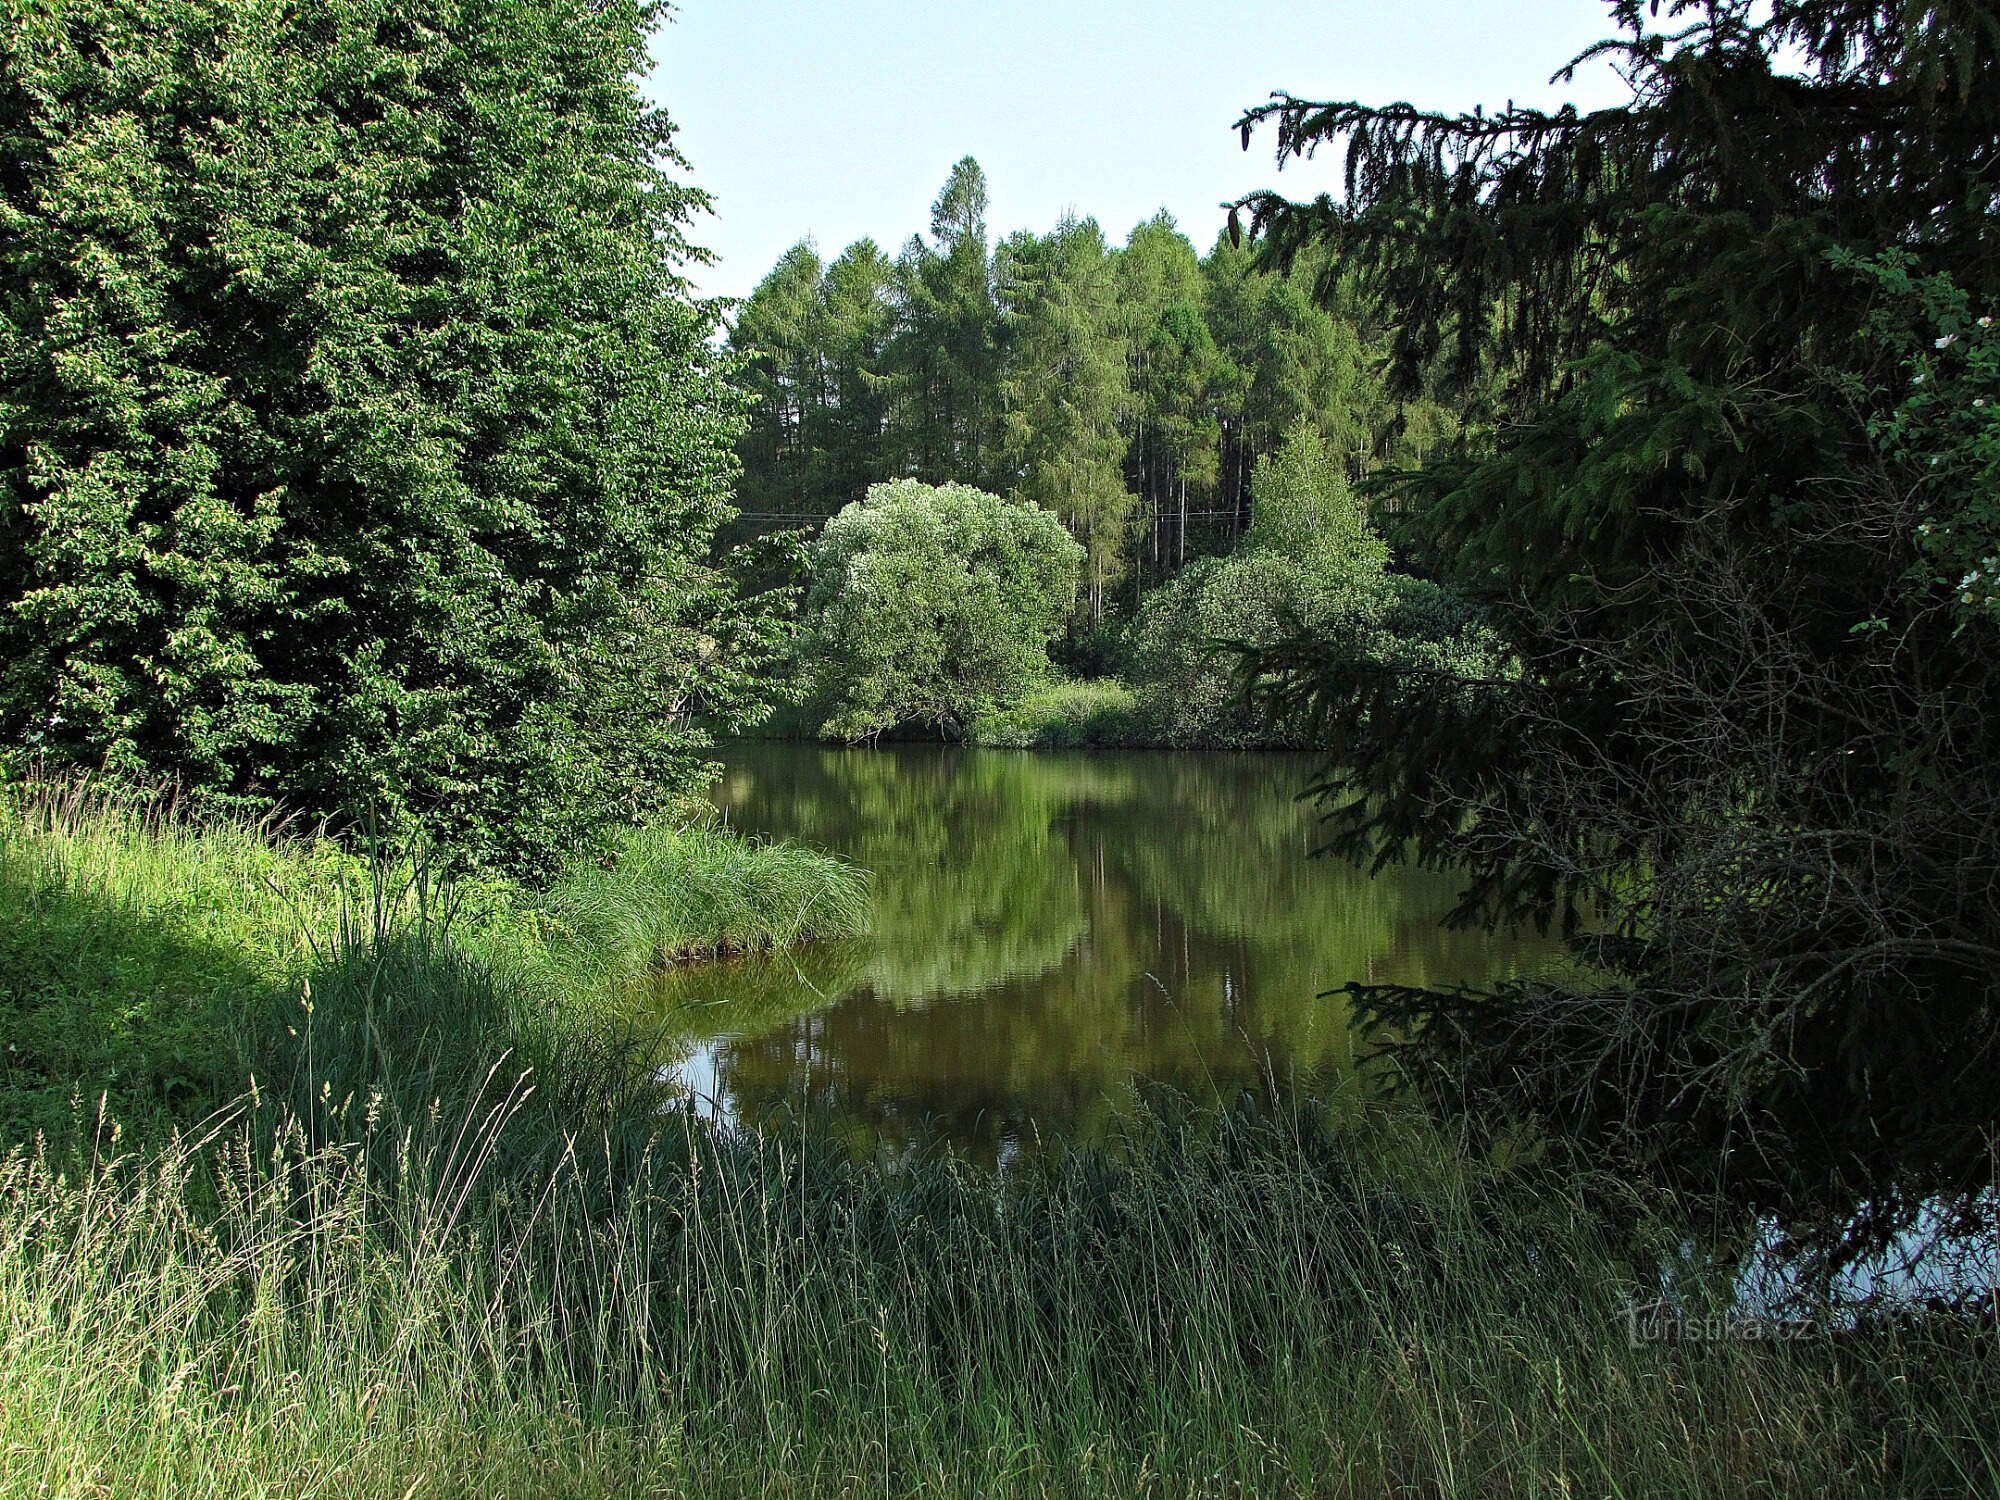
[360,442]
[1750,734]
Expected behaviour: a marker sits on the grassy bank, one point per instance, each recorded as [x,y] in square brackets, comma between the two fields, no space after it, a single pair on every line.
[458,1241]
[147,957]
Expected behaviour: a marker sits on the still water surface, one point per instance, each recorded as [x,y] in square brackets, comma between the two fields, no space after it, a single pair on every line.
[1052,933]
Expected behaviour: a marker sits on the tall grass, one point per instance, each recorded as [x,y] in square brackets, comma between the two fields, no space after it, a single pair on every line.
[458,1241]
[154,958]
[1236,1307]
[694,892]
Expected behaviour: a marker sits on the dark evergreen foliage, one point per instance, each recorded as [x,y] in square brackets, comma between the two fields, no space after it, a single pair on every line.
[359,439]
[1751,733]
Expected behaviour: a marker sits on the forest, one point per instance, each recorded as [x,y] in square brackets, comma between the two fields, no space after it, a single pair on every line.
[1201,428]
[1361,860]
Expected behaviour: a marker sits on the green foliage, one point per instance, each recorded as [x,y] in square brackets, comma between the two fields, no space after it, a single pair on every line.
[1728,501]
[1310,565]
[1302,506]
[1064,390]
[1063,716]
[931,604]
[144,954]
[1946,428]
[359,441]
[1002,371]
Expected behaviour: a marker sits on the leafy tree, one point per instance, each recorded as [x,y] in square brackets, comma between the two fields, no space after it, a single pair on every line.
[1064,391]
[930,603]
[359,438]
[1752,729]
[1311,562]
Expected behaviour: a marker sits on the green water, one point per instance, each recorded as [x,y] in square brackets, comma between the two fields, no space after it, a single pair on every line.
[1052,934]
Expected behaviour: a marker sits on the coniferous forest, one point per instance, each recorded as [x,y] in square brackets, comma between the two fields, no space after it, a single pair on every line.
[1349,850]
[1131,390]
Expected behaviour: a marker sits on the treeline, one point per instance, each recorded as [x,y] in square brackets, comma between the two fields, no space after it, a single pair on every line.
[1129,390]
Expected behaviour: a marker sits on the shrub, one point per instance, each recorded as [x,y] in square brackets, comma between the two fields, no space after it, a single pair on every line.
[1309,558]
[931,604]
[1064,716]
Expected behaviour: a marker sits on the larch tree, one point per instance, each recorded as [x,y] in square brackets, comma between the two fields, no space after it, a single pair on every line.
[779,335]
[1065,391]
[945,355]
[1170,363]
[857,319]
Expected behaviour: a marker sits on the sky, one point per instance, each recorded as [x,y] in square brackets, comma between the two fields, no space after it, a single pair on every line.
[838,119]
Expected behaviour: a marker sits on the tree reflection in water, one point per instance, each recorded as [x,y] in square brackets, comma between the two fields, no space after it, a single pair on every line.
[1054,934]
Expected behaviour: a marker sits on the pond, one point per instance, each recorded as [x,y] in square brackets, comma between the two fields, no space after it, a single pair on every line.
[1053,934]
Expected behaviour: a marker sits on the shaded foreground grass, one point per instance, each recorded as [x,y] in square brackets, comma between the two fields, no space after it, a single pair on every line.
[359,1303]
[458,1242]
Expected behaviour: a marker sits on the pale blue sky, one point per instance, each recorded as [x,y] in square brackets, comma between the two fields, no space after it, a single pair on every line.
[840,118]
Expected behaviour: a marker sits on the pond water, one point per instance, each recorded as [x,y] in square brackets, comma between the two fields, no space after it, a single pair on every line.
[1052,934]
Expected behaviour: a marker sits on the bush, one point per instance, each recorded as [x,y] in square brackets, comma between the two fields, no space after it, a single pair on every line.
[931,604]
[1064,716]
[1308,558]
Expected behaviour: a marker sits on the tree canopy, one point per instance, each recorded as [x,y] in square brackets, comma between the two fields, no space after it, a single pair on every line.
[930,604]
[360,441]
[1133,388]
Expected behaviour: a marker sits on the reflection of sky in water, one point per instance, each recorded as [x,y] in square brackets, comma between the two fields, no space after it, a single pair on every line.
[1925,1262]
[1054,934]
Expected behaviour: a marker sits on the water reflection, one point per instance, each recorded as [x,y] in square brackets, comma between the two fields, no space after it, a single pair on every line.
[1052,933]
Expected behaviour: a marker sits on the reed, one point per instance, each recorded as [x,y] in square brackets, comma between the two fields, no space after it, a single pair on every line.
[363,1301]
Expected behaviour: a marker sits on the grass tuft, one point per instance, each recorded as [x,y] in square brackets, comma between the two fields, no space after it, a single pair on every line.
[1065,716]
[676,894]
